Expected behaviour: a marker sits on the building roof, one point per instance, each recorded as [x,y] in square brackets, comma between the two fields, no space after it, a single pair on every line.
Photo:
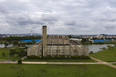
[59,40]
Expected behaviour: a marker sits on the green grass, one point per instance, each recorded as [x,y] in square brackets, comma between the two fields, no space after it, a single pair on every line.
[108,55]
[2,61]
[60,60]
[114,63]
[29,70]
[6,51]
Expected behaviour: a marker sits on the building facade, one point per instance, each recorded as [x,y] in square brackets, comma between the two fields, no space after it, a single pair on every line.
[56,45]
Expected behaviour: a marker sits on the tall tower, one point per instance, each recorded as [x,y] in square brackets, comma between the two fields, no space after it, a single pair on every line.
[31,33]
[44,37]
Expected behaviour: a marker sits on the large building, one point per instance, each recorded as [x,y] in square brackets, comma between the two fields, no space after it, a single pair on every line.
[56,45]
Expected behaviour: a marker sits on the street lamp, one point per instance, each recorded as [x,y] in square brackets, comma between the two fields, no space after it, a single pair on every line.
[8,55]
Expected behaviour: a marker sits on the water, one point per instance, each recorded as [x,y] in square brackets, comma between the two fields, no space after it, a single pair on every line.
[96,47]
[9,45]
[92,47]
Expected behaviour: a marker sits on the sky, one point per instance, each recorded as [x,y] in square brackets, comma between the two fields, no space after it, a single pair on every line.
[60,16]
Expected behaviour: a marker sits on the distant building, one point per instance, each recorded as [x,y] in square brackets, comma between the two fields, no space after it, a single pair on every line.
[99,40]
[75,39]
[30,40]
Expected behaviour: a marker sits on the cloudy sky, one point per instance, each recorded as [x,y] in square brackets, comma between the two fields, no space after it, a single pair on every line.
[60,16]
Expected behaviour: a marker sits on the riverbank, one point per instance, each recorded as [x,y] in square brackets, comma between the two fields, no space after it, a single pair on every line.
[108,55]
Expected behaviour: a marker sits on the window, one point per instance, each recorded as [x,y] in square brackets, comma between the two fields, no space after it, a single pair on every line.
[57,50]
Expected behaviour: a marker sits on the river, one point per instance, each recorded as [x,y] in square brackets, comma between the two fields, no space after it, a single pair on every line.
[96,47]
[10,45]
[91,47]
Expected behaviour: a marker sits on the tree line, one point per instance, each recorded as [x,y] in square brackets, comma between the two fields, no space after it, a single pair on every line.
[17,38]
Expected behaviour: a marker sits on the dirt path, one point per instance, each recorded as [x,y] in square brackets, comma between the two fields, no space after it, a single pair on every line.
[106,63]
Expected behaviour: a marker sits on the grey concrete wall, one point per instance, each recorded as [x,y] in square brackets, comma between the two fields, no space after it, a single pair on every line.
[44,37]
[57,45]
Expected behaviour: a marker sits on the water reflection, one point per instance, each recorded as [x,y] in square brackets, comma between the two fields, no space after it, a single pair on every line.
[96,47]
[92,47]
[9,45]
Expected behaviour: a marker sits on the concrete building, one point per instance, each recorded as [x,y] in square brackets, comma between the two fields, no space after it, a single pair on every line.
[56,45]
[75,39]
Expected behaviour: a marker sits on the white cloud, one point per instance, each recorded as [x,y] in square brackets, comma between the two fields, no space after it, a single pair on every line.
[61,17]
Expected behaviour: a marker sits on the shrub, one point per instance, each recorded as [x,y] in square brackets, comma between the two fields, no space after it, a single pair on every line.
[19,61]
[33,57]
[49,57]
[109,46]
[80,57]
[44,57]
[87,57]
[3,54]
[73,57]
[91,52]
[56,57]
[67,57]
[62,57]
[103,48]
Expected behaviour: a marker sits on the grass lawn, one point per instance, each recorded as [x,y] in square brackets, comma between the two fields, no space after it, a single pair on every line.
[31,70]
[2,61]
[60,60]
[6,51]
[108,55]
[114,63]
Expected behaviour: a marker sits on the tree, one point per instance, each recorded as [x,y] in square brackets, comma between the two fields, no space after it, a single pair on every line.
[19,61]
[69,36]
[83,40]
[12,52]
[94,38]
[6,44]
[3,54]
[19,52]
[15,42]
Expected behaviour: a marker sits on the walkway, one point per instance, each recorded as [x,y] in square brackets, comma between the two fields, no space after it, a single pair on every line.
[55,62]
[106,63]
[98,62]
